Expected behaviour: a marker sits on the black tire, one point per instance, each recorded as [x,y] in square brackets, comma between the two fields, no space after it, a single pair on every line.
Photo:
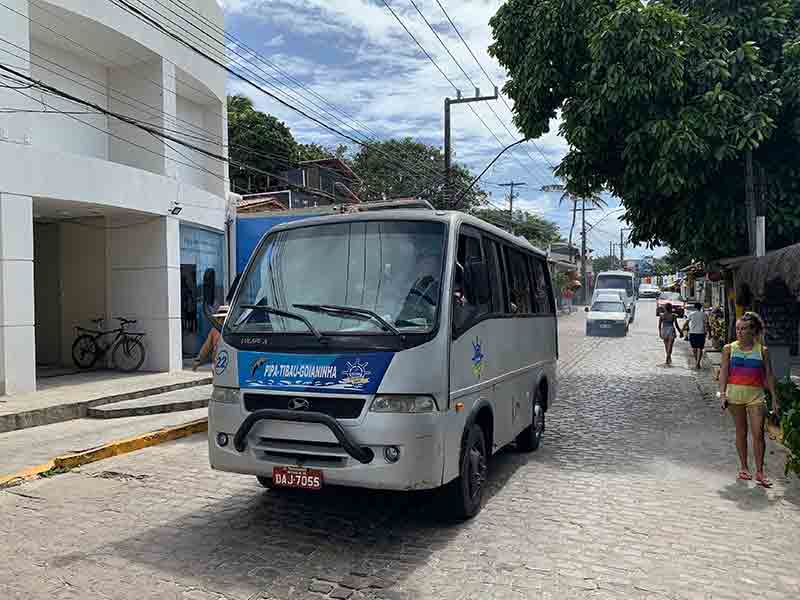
[84,351]
[266,482]
[530,438]
[128,355]
[462,498]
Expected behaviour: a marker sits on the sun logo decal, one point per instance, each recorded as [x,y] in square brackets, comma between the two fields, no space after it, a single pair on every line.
[477,358]
[356,374]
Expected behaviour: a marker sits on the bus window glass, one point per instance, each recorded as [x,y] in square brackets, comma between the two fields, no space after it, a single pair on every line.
[492,251]
[541,286]
[519,282]
[466,306]
[392,268]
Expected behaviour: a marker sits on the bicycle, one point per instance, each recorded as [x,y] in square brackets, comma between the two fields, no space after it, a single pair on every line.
[127,350]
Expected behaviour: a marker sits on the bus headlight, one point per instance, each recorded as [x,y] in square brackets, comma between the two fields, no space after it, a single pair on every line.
[225,395]
[403,404]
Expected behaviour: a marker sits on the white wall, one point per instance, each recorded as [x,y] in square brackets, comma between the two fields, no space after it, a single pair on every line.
[189,112]
[145,284]
[17,336]
[81,77]
[14,28]
[135,92]
[47,292]
[83,278]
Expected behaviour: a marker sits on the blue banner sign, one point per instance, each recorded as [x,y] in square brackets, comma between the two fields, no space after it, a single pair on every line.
[331,373]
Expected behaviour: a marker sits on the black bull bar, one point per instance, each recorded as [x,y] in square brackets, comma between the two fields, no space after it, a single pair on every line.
[362,455]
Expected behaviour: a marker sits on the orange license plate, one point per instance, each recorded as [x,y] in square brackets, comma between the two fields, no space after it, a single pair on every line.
[297,477]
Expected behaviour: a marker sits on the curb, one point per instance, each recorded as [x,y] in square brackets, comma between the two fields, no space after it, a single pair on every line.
[116,448]
[101,412]
[78,410]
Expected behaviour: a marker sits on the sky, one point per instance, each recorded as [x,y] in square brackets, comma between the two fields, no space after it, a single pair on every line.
[356,56]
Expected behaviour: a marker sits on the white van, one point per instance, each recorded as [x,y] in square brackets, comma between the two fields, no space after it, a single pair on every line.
[619,280]
[390,350]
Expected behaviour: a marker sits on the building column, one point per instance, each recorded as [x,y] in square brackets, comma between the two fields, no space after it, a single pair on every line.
[17,335]
[145,285]
[169,108]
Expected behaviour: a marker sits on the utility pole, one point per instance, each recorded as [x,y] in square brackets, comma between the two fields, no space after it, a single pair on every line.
[750,202]
[584,277]
[761,213]
[622,248]
[447,146]
[511,185]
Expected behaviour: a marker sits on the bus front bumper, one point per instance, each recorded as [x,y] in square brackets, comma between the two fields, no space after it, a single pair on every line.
[347,453]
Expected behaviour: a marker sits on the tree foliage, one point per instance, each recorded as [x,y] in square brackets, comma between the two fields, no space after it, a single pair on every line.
[258,140]
[660,101]
[605,263]
[398,168]
[536,229]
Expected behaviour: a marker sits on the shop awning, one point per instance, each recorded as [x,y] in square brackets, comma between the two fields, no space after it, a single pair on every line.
[783,264]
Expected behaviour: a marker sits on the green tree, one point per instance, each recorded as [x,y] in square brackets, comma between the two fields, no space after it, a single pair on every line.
[398,168]
[537,230]
[273,146]
[660,102]
[605,263]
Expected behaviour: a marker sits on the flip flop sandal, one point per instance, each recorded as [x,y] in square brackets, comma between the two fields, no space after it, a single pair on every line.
[744,476]
[764,482]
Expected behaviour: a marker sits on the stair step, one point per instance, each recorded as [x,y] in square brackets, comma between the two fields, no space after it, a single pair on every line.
[174,401]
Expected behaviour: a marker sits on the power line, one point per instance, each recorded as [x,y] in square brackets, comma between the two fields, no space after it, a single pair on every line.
[428,55]
[125,5]
[491,81]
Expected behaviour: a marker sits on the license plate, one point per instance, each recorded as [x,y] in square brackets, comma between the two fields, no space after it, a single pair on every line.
[297,477]
[605,326]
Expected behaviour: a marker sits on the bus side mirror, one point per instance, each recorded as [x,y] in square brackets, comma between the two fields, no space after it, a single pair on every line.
[477,283]
[586,309]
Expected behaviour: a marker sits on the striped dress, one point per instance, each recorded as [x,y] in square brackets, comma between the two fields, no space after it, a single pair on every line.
[747,376]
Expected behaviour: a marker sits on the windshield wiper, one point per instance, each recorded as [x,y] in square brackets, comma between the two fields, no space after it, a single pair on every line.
[283,313]
[363,313]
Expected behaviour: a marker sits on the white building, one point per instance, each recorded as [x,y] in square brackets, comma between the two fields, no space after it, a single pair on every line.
[86,200]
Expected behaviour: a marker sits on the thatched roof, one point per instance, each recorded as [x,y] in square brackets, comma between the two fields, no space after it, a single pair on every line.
[783,264]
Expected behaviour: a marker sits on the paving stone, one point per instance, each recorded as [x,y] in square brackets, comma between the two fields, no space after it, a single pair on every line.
[321,588]
[632,495]
[341,593]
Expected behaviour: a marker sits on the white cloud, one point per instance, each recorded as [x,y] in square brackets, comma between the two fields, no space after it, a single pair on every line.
[276,41]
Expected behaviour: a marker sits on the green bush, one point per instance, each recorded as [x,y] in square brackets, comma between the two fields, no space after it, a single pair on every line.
[789,395]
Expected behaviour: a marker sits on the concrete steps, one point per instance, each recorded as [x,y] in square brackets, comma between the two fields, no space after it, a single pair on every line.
[169,402]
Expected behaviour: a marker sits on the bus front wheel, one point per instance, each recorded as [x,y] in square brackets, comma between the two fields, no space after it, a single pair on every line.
[463,496]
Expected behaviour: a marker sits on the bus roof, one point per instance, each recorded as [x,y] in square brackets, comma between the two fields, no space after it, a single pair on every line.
[625,273]
[453,218]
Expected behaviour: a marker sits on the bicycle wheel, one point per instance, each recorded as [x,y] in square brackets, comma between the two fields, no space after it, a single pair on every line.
[128,355]
[84,351]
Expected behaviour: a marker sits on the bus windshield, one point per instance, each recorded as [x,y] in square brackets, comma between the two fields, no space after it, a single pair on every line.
[356,277]
[616,282]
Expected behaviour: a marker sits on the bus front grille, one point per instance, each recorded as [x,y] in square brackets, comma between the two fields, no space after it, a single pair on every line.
[338,408]
[309,453]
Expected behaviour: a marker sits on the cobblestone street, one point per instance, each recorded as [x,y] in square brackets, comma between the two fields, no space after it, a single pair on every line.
[632,495]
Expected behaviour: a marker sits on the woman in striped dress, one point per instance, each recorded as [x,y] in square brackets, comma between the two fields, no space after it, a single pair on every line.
[744,375]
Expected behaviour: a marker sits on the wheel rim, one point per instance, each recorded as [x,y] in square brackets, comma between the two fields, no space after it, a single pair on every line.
[128,355]
[476,474]
[85,351]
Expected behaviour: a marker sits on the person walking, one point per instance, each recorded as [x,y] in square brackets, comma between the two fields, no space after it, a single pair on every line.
[209,348]
[668,330]
[697,328]
[744,375]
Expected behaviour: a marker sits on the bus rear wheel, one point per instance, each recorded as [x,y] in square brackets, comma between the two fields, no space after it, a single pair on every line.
[463,496]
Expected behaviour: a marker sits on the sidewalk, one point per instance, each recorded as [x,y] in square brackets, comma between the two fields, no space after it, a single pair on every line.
[70,396]
[35,446]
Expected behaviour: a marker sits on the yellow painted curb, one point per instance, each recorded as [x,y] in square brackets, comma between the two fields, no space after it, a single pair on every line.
[116,448]
[25,474]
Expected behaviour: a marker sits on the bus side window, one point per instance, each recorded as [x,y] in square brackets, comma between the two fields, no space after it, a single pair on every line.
[491,251]
[518,282]
[543,303]
[468,304]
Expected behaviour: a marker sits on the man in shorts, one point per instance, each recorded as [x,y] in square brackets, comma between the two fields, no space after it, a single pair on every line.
[697,324]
